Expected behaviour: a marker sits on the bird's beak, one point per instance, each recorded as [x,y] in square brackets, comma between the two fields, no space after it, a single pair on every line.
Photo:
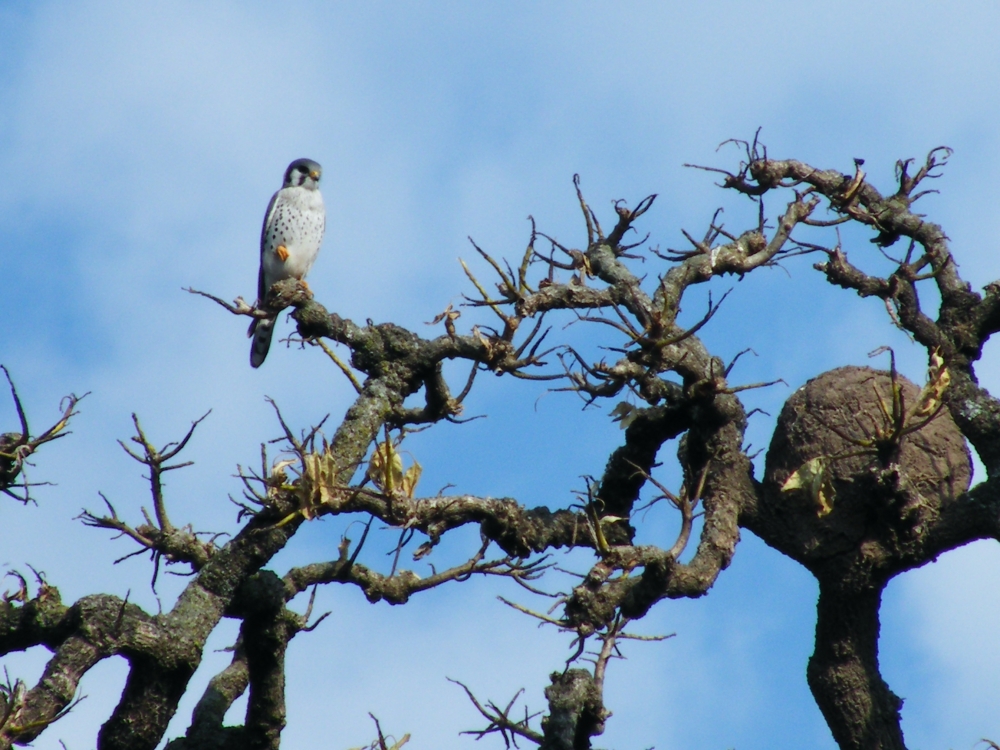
[314,174]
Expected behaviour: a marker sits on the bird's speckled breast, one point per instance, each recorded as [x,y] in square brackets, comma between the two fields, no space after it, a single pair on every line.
[297,221]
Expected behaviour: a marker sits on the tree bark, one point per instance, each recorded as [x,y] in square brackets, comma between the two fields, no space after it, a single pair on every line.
[859,707]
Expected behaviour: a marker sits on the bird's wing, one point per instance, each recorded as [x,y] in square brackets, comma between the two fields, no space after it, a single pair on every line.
[261,289]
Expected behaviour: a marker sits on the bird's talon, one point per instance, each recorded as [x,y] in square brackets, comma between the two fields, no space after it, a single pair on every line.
[282,252]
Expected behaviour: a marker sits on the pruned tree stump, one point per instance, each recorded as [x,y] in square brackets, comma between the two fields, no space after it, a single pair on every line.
[888,502]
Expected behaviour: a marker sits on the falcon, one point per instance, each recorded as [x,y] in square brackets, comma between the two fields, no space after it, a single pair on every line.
[289,242]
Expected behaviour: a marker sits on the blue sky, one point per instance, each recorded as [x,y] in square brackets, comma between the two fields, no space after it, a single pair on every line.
[139,144]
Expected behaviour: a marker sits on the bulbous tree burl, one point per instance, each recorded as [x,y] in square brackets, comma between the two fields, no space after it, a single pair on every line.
[867,475]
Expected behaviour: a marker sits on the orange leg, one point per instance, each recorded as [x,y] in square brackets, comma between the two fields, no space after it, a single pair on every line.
[282,252]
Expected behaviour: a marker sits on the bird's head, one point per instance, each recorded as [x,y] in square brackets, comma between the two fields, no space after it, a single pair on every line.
[303,173]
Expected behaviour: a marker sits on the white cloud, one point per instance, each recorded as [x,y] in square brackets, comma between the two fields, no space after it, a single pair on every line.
[939,647]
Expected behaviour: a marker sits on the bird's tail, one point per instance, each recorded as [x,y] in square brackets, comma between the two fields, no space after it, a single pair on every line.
[261,329]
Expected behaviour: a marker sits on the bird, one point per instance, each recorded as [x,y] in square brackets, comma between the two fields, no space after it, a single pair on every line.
[289,242]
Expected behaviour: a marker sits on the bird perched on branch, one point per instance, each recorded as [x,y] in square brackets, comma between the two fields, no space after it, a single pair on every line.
[289,242]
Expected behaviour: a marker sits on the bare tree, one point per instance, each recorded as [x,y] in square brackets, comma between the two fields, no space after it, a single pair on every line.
[867,475]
